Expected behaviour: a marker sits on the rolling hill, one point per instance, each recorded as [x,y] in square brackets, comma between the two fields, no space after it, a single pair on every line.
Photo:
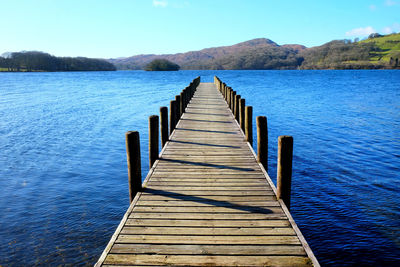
[258,53]
[376,52]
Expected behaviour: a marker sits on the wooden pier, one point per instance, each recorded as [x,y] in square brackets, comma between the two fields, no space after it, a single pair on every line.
[207,200]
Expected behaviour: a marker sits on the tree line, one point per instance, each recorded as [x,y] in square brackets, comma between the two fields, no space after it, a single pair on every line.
[39,61]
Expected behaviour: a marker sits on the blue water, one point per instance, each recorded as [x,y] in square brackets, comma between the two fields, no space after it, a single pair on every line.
[63,178]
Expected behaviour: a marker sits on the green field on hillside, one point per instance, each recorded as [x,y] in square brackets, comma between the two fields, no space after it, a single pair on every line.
[386,47]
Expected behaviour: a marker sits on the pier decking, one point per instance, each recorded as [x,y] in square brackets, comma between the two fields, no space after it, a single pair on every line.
[207,201]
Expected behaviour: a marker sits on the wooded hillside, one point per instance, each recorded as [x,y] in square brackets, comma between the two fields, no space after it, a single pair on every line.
[39,61]
[376,52]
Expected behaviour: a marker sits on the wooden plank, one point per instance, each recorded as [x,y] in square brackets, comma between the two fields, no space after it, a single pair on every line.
[207,260]
[210,193]
[230,199]
[208,222]
[208,216]
[231,231]
[205,203]
[189,181]
[247,189]
[212,209]
[281,250]
[212,239]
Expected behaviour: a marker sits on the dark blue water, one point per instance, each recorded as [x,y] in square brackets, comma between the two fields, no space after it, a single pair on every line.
[63,178]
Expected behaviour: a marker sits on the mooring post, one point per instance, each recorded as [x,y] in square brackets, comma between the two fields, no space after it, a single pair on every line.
[223,90]
[249,124]
[178,107]
[153,139]
[164,125]
[262,141]
[228,93]
[172,115]
[237,103]
[186,94]
[231,99]
[233,96]
[132,142]
[284,174]
[182,105]
[241,113]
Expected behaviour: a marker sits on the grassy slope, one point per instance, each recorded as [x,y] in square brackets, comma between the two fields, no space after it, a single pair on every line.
[373,53]
[388,46]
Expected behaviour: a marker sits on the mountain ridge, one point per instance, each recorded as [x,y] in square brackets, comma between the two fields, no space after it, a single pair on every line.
[376,52]
[200,58]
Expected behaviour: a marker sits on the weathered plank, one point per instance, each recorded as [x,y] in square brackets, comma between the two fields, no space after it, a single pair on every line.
[207,260]
[230,231]
[208,222]
[169,249]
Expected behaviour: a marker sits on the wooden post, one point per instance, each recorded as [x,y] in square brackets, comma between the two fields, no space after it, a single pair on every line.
[249,124]
[233,96]
[236,109]
[132,141]
[172,115]
[262,141]
[164,125]
[225,89]
[241,113]
[284,175]
[178,107]
[186,97]
[182,105]
[153,139]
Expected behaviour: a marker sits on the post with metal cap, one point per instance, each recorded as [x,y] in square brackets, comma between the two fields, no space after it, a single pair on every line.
[249,124]
[164,125]
[132,141]
[153,139]
[284,175]
[262,141]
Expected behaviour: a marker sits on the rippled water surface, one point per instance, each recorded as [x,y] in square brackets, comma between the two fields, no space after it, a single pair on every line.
[63,178]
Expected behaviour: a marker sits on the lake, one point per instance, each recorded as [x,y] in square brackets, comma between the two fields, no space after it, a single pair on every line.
[63,173]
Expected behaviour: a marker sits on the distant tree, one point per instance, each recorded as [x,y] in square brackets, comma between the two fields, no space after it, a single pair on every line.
[374,35]
[161,65]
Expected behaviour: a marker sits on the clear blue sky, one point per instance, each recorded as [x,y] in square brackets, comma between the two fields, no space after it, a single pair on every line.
[119,28]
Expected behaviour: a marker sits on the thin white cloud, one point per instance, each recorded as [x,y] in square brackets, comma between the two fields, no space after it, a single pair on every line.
[360,31]
[372,7]
[160,3]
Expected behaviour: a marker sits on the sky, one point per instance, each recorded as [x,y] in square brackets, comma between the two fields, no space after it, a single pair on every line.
[122,28]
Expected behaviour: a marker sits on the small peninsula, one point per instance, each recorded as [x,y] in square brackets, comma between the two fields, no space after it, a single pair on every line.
[161,65]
